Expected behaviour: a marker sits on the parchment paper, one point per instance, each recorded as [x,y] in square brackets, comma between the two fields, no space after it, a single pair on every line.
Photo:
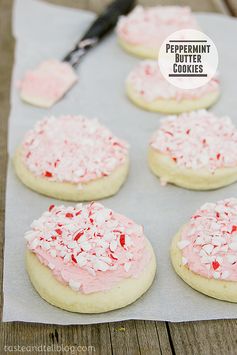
[45,31]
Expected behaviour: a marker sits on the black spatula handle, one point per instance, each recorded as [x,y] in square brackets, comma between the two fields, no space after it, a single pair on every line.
[108,19]
[99,28]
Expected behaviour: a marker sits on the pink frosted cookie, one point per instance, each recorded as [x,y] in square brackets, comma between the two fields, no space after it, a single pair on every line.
[147,88]
[88,259]
[142,32]
[195,150]
[204,252]
[47,84]
[72,158]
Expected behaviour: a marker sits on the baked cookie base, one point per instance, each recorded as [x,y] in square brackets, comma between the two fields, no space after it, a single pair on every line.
[54,292]
[220,289]
[92,190]
[201,179]
[171,106]
[138,50]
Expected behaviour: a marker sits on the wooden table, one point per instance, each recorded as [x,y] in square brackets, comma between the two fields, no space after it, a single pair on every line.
[130,337]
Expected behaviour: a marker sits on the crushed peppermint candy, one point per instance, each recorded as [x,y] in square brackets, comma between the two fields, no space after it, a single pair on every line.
[72,149]
[197,140]
[148,82]
[149,26]
[208,242]
[88,247]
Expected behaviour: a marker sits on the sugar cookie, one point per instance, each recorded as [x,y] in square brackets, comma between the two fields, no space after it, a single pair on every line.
[147,88]
[204,252]
[88,259]
[195,150]
[142,32]
[72,158]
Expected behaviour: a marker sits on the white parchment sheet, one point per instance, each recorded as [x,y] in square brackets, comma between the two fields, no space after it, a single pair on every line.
[45,31]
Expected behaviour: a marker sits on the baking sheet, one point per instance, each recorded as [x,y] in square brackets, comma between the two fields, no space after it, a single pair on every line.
[45,31]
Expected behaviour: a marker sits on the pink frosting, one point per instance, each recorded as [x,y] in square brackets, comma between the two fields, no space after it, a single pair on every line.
[150,26]
[72,149]
[209,241]
[197,140]
[148,82]
[50,80]
[90,247]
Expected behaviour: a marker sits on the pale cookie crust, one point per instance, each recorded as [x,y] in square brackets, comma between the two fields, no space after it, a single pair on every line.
[138,50]
[90,191]
[200,179]
[171,106]
[124,293]
[220,289]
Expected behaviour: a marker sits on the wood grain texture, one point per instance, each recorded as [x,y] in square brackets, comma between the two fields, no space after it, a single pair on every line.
[6,61]
[206,337]
[130,337]
[196,5]
[139,337]
[232,5]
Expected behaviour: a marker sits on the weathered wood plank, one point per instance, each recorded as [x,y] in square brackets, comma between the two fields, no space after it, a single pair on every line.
[37,337]
[150,335]
[124,338]
[201,5]
[134,337]
[6,60]
[232,5]
[204,6]
[206,337]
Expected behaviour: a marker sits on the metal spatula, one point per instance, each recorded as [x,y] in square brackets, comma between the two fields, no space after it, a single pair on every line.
[49,82]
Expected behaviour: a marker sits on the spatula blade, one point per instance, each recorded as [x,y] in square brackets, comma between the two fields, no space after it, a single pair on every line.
[47,83]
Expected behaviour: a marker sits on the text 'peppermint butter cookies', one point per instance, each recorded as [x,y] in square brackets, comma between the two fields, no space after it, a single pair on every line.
[195,150]
[204,252]
[72,158]
[147,88]
[88,259]
[143,31]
